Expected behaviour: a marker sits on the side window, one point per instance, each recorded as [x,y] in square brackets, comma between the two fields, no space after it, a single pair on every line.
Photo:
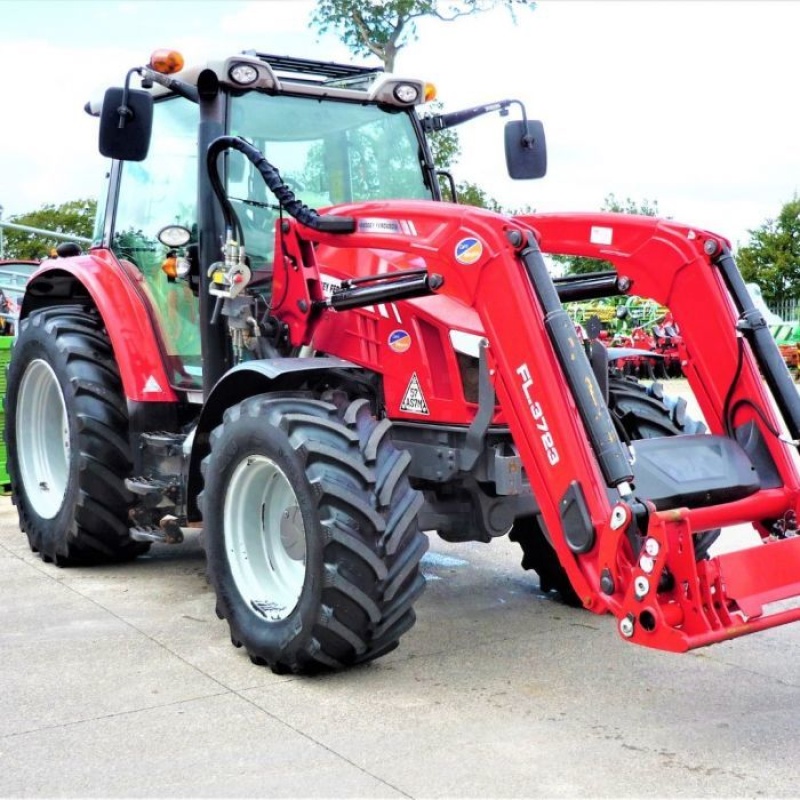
[160,191]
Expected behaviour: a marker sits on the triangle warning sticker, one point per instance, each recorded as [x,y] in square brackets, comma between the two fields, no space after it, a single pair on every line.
[413,399]
[151,385]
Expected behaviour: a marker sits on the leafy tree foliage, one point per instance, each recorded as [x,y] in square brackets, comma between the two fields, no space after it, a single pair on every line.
[383,27]
[772,257]
[75,218]
[579,265]
[470,194]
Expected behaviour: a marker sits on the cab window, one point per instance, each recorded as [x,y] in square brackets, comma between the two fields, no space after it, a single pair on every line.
[161,191]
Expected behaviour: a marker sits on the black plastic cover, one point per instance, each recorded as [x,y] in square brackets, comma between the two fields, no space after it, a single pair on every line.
[575,520]
[692,471]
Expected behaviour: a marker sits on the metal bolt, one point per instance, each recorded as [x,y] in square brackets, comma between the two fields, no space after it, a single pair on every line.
[651,547]
[647,564]
[514,238]
[626,626]
[618,517]
[641,586]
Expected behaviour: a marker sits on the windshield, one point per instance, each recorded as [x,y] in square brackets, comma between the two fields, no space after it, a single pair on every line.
[327,152]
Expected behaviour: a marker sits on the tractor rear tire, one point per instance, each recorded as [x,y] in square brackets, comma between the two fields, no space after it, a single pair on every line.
[644,412]
[67,436]
[638,412]
[310,531]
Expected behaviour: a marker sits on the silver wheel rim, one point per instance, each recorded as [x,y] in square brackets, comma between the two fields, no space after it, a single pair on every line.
[42,438]
[265,538]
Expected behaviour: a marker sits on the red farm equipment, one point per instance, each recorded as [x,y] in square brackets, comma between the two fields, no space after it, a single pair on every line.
[317,389]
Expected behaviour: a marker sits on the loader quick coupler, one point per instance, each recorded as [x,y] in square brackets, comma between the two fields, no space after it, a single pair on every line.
[629,519]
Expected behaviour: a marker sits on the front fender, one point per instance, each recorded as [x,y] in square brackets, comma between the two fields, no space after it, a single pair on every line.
[118,294]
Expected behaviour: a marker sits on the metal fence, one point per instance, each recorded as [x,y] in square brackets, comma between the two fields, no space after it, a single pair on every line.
[787,310]
[13,226]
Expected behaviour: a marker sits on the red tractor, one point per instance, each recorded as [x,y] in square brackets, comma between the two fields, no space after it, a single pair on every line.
[316,388]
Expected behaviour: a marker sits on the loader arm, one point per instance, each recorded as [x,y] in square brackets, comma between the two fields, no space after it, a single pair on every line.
[626,548]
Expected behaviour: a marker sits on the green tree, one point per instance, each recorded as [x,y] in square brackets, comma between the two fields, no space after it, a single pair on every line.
[580,265]
[75,218]
[383,27]
[772,257]
[470,194]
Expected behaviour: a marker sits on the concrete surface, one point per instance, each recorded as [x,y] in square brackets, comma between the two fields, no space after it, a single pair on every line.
[121,682]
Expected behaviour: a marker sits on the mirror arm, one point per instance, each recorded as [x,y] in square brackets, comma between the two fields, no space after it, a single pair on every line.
[124,110]
[442,121]
[527,140]
[149,77]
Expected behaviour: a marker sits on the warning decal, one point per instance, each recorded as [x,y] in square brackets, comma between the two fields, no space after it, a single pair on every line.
[413,399]
[151,385]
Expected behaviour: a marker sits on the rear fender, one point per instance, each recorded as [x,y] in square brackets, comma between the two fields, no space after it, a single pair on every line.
[117,292]
[246,380]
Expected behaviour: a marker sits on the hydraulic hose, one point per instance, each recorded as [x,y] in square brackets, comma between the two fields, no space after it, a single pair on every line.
[284,195]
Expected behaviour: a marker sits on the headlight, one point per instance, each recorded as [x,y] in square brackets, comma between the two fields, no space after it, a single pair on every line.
[243,74]
[174,236]
[406,92]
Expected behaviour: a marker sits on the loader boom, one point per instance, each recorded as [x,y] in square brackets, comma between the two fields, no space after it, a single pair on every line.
[625,552]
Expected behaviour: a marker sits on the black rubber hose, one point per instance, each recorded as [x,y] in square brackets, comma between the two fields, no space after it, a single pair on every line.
[284,195]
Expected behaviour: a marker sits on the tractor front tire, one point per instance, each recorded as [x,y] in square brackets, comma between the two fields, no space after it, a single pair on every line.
[67,437]
[310,531]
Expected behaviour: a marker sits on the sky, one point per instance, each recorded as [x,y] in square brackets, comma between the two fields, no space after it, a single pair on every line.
[689,104]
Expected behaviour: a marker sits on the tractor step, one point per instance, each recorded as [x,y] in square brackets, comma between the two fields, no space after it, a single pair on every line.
[167,532]
[163,439]
[147,486]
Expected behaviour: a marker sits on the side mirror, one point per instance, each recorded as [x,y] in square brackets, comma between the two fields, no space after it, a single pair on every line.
[125,128]
[526,149]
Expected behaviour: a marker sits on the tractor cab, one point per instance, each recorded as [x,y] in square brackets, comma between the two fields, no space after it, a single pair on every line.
[338,133]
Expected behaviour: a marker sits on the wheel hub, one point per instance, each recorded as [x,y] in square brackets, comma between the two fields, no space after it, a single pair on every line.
[43,439]
[265,537]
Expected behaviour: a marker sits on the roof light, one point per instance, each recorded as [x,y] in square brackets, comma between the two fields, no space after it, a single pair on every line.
[166,62]
[243,74]
[406,92]
[430,93]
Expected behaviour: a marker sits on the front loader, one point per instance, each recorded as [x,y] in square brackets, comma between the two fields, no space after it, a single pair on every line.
[284,336]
